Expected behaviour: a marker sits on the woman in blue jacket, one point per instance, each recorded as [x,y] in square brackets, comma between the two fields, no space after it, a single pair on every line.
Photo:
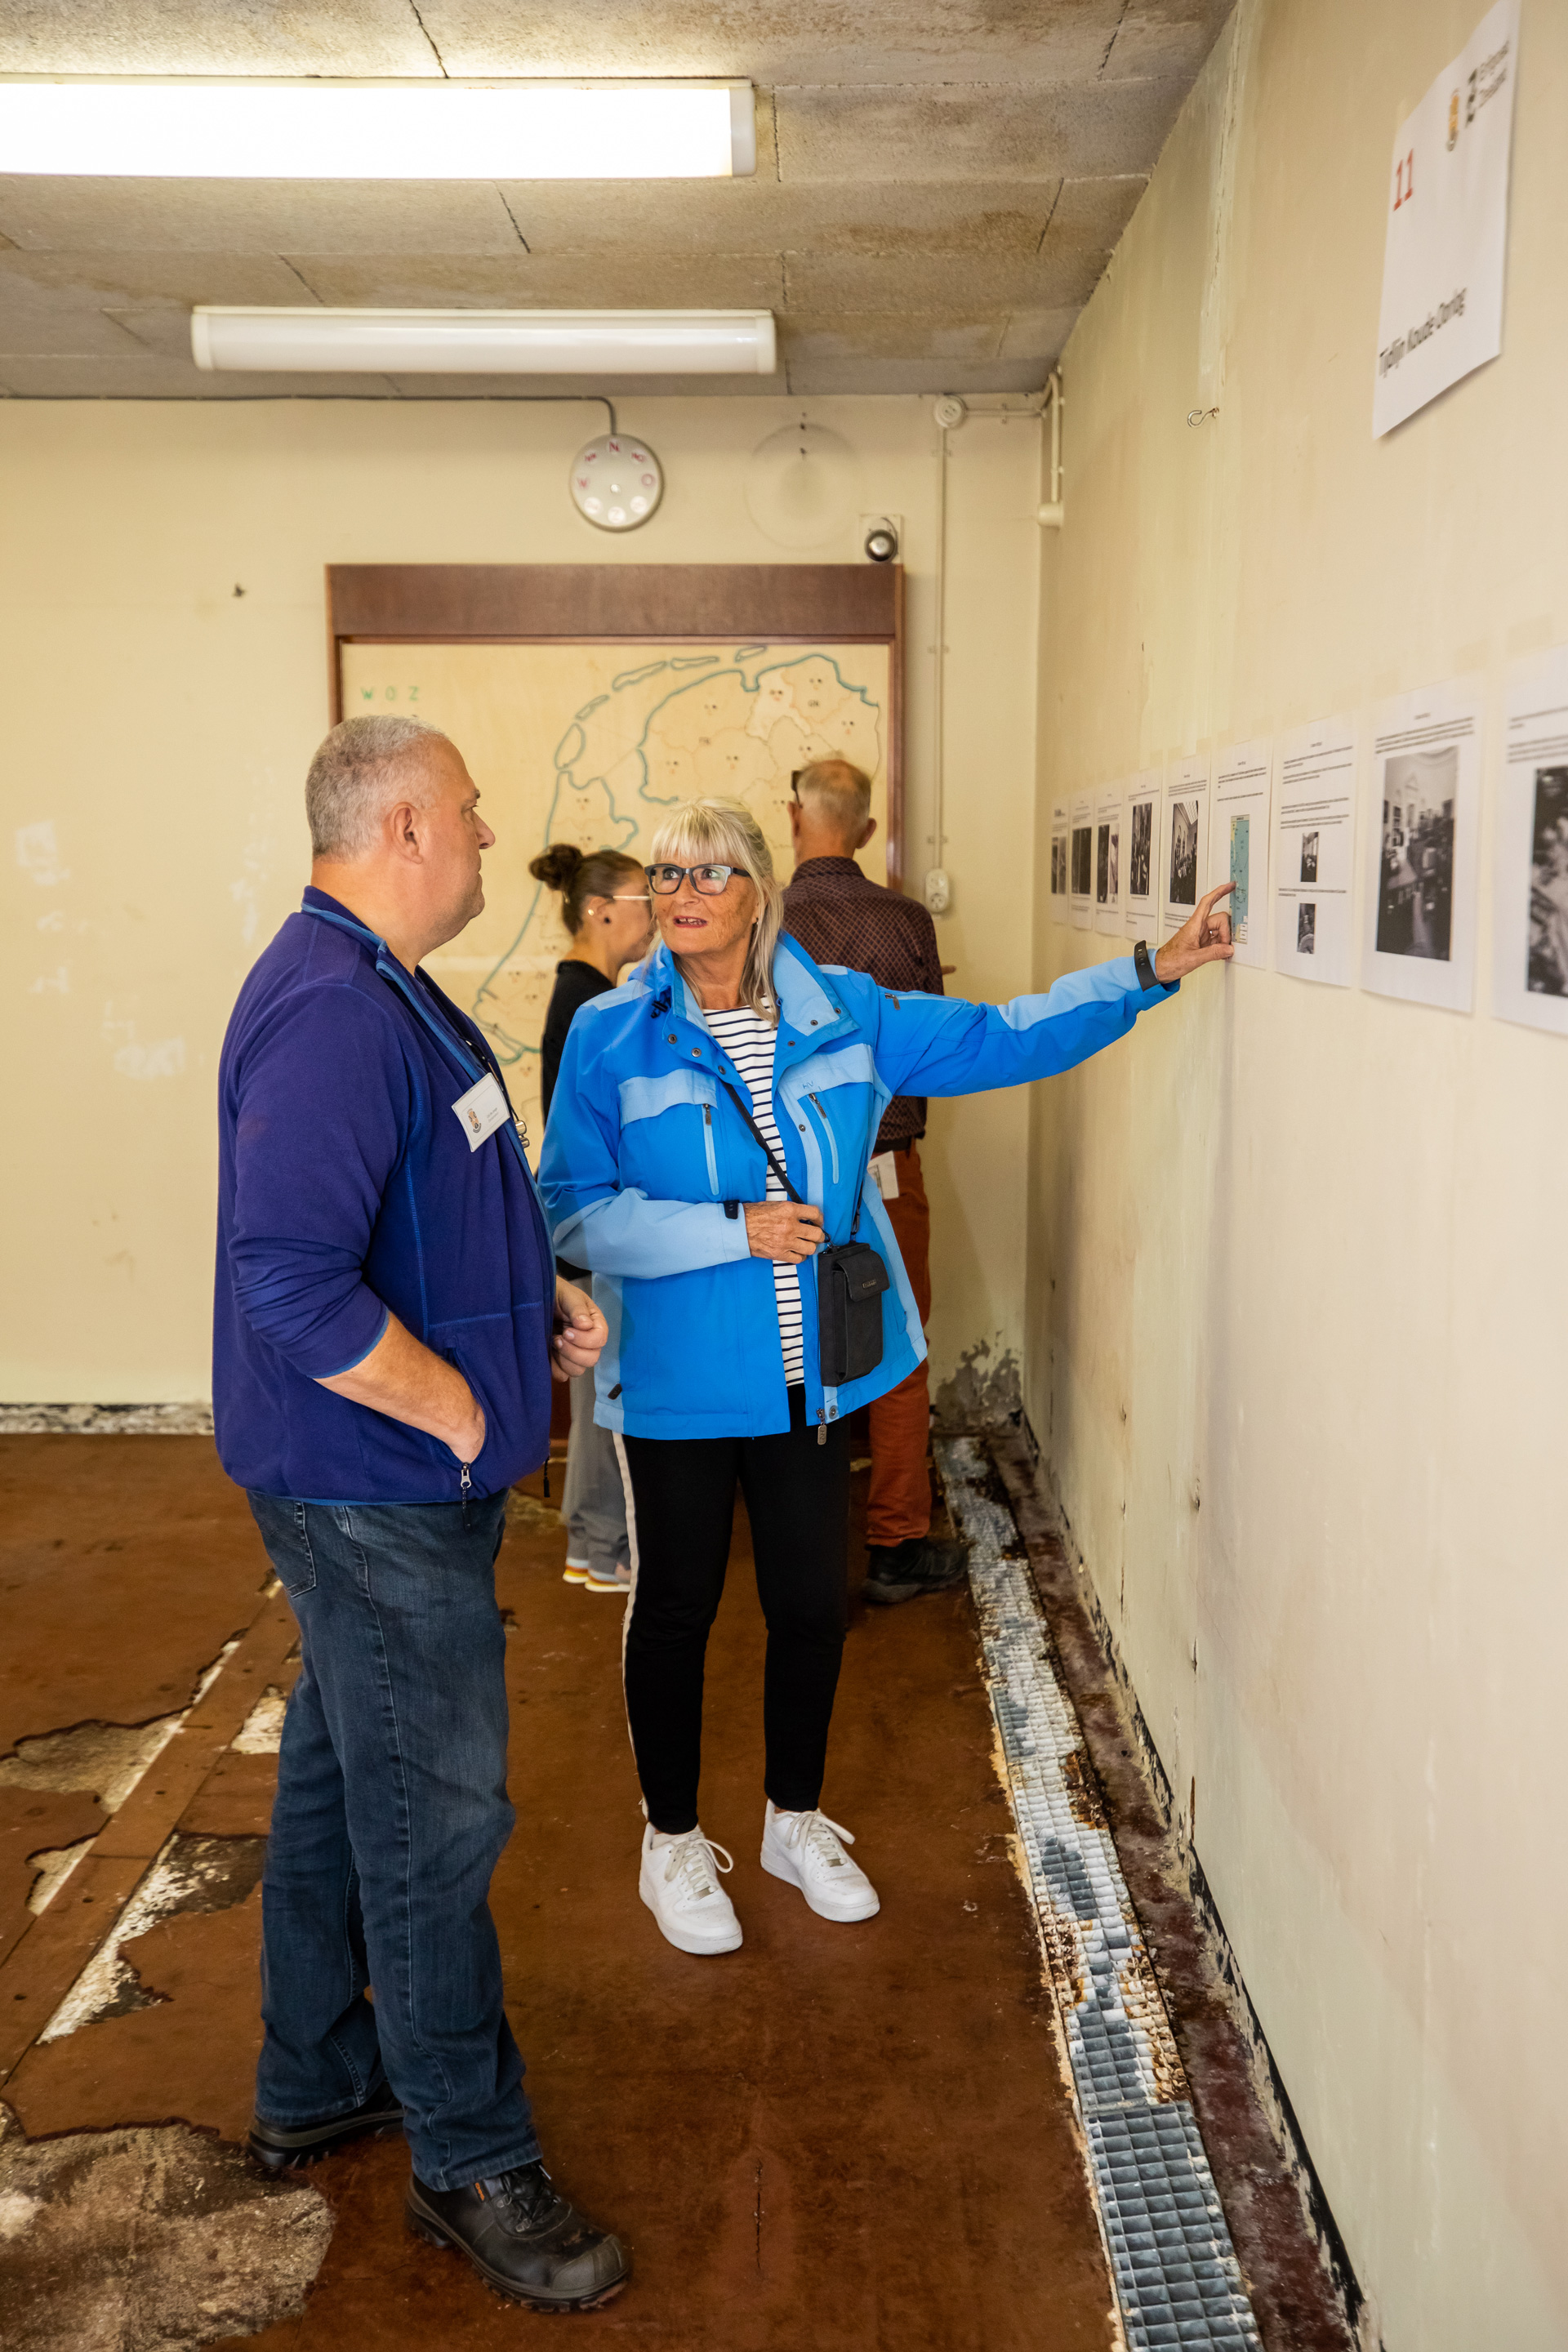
[727,1065]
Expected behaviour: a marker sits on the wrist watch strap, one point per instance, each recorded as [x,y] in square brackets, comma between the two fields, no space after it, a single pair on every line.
[1145,964]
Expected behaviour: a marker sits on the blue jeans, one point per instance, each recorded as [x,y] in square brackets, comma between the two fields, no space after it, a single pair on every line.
[391,1815]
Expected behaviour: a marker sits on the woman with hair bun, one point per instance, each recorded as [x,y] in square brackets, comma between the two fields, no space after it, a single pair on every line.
[605,907]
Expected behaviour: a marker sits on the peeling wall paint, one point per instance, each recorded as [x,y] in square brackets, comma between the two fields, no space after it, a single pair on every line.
[985,1387]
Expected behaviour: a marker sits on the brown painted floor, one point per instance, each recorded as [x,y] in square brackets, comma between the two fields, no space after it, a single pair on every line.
[837,2136]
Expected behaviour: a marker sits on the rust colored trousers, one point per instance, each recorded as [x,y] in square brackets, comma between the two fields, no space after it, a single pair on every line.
[899,1503]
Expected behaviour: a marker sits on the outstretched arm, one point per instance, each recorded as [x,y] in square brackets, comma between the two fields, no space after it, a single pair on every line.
[938,1046]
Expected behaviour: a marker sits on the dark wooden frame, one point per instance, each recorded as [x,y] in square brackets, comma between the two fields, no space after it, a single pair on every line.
[703,603]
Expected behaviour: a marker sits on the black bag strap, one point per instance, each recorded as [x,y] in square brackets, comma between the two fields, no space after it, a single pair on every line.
[781,1173]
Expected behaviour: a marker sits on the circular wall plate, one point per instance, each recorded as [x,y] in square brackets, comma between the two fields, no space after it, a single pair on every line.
[803,485]
[617,482]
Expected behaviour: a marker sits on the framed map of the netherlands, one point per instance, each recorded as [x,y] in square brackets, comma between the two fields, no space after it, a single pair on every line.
[587,699]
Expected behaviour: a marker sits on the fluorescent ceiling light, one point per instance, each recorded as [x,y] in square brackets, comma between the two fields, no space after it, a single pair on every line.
[378,131]
[486,343]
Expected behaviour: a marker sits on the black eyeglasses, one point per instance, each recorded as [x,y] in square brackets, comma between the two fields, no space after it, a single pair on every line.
[713,881]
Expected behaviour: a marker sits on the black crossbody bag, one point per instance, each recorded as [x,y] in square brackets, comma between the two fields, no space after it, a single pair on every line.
[850,1280]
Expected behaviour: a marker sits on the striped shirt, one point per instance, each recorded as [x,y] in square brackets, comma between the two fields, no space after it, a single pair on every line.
[748,1042]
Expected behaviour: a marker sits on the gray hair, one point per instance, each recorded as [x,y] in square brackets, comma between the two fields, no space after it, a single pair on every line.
[352,779]
[723,832]
[839,793]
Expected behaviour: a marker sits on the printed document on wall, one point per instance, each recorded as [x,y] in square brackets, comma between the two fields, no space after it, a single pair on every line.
[1140,852]
[1108,860]
[1530,923]
[1059,862]
[1186,837]
[1448,226]
[1314,851]
[1238,846]
[1082,874]
[1419,916]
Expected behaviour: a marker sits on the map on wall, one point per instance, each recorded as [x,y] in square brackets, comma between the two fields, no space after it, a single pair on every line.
[592,743]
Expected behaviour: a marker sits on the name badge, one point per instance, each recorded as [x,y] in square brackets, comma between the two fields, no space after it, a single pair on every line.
[885,1174]
[480,1111]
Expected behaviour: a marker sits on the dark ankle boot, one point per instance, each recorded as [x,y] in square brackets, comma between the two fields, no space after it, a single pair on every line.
[920,1564]
[523,2239]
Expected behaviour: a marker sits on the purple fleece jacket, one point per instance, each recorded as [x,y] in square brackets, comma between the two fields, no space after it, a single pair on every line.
[346,1188]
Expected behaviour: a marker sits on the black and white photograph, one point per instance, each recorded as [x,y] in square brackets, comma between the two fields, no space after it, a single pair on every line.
[1059,859]
[1140,882]
[1082,860]
[1104,889]
[1183,890]
[1548,955]
[1415,888]
[1309,858]
[1113,862]
[1306,928]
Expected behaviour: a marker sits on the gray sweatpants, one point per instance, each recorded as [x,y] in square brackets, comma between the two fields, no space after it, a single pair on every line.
[594,1502]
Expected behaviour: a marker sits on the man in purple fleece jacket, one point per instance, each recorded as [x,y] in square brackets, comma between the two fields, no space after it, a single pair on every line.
[388,1322]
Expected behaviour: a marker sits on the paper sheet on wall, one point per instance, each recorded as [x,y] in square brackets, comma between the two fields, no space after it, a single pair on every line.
[1185,838]
[1418,918]
[1082,874]
[1448,226]
[1530,872]
[1107,861]
[1059,849]
[1314,851]
[1140,852]
[1238,850]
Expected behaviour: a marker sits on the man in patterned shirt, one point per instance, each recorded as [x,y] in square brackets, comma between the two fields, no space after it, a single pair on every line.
[840,918]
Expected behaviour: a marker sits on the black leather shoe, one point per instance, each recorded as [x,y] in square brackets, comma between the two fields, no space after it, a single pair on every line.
[523,2239]
[920,1564]
[282,2148]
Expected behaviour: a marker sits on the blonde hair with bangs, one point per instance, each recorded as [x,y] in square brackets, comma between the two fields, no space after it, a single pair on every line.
[722,832]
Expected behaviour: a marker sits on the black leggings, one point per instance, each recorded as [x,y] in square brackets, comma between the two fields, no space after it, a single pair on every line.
[797,1499]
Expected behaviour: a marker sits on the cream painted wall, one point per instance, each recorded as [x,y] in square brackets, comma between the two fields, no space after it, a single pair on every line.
[1296,1284]
[161,726]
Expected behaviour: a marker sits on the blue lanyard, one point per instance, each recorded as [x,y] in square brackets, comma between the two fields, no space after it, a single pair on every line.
[469,1064]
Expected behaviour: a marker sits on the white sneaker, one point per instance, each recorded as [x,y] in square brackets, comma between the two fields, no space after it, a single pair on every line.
[805,1850]
[680,1888]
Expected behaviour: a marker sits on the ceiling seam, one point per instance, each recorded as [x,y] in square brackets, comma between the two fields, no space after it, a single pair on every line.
[1116,28]
[512,217]
[441,60]
[1051,216]
[301,276]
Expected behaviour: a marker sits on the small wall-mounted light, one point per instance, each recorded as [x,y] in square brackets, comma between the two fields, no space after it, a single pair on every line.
[881,540]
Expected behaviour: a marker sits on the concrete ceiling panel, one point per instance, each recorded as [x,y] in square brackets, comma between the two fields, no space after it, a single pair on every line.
[103,280]
[148,375]
[932,287]
[626,394]
[868,375]
[779,41]
[353,38]
[766,217]
[48,322]
[887,336]
[1038,335]
[1164,43]
[256,215]
[974,131]
[627,279]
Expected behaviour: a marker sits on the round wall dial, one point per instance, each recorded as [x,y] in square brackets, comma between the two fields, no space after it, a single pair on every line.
[616,481]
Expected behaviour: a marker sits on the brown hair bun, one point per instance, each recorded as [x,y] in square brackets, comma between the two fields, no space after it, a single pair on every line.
[558,866]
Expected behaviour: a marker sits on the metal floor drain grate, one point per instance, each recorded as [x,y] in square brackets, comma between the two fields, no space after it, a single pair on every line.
[1177,2279]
